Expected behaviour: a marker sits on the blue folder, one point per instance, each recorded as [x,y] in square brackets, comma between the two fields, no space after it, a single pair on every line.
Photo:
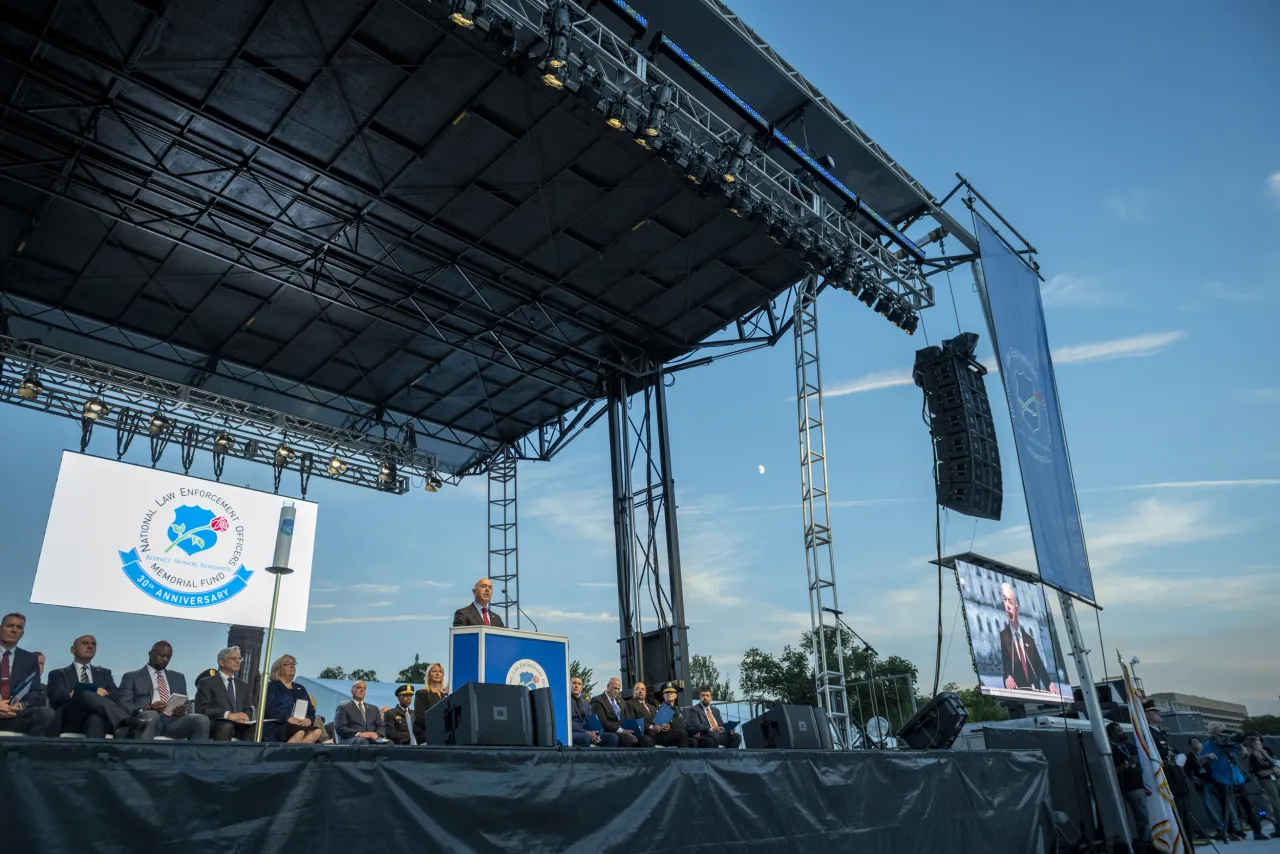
[730,726]
[635,726]
[593,724]
[664,715]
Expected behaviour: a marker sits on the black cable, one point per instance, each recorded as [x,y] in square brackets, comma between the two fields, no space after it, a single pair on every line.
[937,519]
[943,246]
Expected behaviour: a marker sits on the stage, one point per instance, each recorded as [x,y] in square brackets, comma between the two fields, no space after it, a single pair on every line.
[165,796]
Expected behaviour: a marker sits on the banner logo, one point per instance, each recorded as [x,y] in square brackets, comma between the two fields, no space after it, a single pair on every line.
[164,564]
[1029,410]
[527,673]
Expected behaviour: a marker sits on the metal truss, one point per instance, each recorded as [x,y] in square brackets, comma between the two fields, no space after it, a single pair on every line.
[613,73]
[166,412]
[819,553]
[504,539]
[644,514]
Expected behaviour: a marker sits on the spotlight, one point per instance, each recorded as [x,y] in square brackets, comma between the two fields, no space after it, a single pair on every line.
[910,323]
[738,160]
[616,115]
[159,424]
[885,304]
[778,232]
[558,38]
[869,295]
[94,409]
[434,483]
[337,466]
[223,443]
[642,137]
[463,12]
[658,110]
[697,169]
[552,79]
[30,388]
[896,315]
[387,473]
[284,453]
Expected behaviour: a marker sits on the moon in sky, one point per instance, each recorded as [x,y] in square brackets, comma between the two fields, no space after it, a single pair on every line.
[761,468]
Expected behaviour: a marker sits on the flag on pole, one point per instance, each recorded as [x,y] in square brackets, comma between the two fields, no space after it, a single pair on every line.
[1166,835]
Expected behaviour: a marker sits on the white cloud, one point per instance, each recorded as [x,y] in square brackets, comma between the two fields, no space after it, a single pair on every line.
[379,604]
[1068,289]
[376,588]
[607,584]
[322,606]
[1273,185]
[1148,344]
[429,583]
[869,382]
[398,618]
[1192,484]
[574,616]
[774,508]
[1131,207]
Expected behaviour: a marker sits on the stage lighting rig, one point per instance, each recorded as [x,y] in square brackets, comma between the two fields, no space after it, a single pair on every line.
[223,443]
[337,467]
[284,454]
[159,424]
[738,159]
[464,12]
[386,474]
[659,108]
[552,78]
[30,388]
[911,322]
[94,409]
[615,113]
[870,293]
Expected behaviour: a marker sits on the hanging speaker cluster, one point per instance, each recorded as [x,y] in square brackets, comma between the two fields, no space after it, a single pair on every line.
[964,435]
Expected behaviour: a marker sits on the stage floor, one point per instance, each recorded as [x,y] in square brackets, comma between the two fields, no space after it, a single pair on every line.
[62,796]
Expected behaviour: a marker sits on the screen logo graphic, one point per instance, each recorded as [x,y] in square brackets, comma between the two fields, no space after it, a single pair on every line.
[188,555]
[527,673]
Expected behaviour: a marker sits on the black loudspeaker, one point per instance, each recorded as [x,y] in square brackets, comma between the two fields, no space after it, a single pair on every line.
[968,476]
[483,714]
[788,728]
[543,712]
[659,666]
[937,725]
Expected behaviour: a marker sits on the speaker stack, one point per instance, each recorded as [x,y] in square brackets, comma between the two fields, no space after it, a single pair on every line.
[964,435]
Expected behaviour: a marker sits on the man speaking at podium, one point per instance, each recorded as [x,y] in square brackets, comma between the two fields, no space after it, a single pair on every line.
[478,613]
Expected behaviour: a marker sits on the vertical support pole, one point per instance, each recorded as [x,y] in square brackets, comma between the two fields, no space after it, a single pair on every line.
[1097,723]
[679,628]
[819,554]
[504,540]
[623,530]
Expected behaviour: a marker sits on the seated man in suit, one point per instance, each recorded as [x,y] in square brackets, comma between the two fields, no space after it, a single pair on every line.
[146,693]
[583,737]
[87,696]
[225,700]
[478,613]
[1023,666]
[706,725]
[22,707]
[400,718]
[612,710]
[359,722]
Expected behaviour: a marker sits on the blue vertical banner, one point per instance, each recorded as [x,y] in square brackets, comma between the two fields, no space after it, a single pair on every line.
[1011,298]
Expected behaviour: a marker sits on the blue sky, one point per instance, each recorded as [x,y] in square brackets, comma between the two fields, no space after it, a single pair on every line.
[1135,146]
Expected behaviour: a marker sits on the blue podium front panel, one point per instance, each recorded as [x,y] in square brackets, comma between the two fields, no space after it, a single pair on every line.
[464,654]
[513,657]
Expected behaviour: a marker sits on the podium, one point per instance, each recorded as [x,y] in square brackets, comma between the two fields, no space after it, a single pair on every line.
[514,657]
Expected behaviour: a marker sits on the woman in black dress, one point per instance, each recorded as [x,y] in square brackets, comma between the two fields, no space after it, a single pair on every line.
[435,690]
[283,695]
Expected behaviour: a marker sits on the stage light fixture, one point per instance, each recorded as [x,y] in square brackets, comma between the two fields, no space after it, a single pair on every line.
[697,169]
[895,315]
[284,453]
[738,159]
[869,295]
[94,409]
[616,115]
[552,78]
[911,323]
[885,304]
[337,466]
[778,232]
[434,483]
[641,138]
[30,388]
[463,12]
[387,473]
[658,109]
[223,443]
[159,424]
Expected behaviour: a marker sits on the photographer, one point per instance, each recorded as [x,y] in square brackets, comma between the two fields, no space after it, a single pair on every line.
[1229,781]
[1200,775]
[1261,766]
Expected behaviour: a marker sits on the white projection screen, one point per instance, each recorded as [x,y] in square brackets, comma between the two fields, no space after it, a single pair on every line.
[139,541]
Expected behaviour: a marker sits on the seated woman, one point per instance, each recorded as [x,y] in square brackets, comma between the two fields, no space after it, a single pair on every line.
[640,707]
[433,692]
[283,693]
[674,733]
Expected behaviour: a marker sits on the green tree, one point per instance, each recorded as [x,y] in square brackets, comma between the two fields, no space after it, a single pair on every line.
[332,673]
[979,705]
[363,675]
[414,674]
[1261,725]
[586,674]
[703,673]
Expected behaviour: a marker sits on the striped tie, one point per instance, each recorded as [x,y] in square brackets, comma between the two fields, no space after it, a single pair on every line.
[162,685]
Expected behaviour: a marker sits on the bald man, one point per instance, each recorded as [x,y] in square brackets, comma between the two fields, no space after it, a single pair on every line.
[86,694]
[478,613]
[1022,665]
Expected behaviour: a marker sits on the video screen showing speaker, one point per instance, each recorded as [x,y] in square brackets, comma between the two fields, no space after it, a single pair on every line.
[487,714]
[967,477]
[788,728]
[937,725]
[1011,635]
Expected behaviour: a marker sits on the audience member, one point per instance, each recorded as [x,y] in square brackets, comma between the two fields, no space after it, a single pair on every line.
[581,710]
[39,696]
[358,722]
[1261,766]
[399,718]
[22,706]
[428,695]
[1125,756]
[612,710]
[282,722]
[478,612]
[1229,782]
[1200,775]
[225,700]
[87,695]
[1173,775]
[706,725]
[640,707]
[674,732]
[146,693]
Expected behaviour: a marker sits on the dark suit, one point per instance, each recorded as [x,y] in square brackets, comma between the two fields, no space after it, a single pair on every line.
[470,616]
[88,712]
[1034,675]
[213,702]
[677,733]
[613,722]
[350,721]
[400,724]
[581,710]
[700,728]
[35,718]
[136,691]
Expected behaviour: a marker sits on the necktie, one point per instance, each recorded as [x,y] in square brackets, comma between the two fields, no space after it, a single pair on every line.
[231,692]
[616,712]
[484,612]
[4,676]
[84,674]
[711,719]
[409,723]
[162,685]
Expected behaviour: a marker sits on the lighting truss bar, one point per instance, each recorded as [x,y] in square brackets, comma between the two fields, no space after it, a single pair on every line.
[625,76]
[727,95]
[70,381]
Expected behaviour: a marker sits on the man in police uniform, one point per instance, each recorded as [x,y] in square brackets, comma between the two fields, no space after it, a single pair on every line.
[1172,773]
[400,718]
